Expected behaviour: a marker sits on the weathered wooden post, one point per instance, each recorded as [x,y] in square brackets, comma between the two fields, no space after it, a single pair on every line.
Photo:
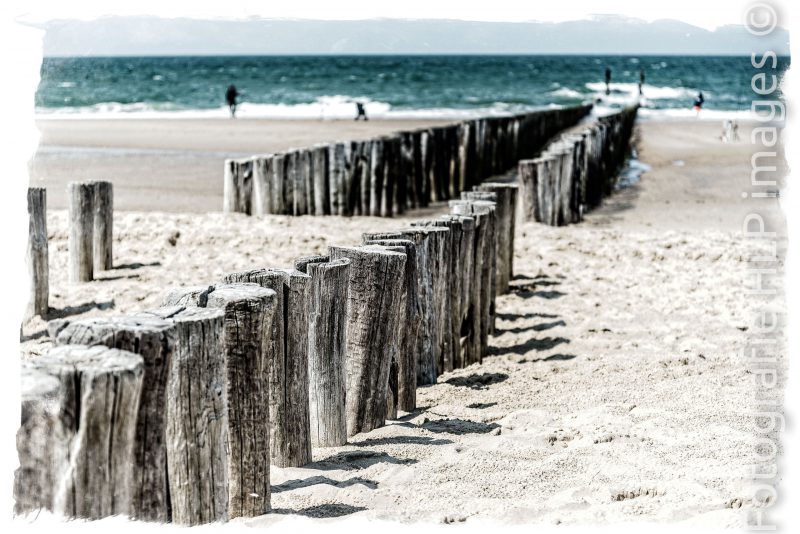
[506,195]
[277,179]
[196,416]
[76,440]
[38,260]
[230,187]
[360,191]
[527,172]
[327,346]
[262,181]
[407,170]
[103,225]
[307,175]
[376,176]
[81,231]
[42,441]
[238,186]
[248,310]
[373,330]
[421,317]
[403,369]
[442,284]
[336,169]
[439,266]
[155,340]
[287,353]
[462,234]
[320,171]
[483,286]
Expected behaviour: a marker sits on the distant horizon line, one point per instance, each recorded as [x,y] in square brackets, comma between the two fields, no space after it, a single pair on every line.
[397,54]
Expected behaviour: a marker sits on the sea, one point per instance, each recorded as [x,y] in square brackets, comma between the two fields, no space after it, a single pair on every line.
[392,87]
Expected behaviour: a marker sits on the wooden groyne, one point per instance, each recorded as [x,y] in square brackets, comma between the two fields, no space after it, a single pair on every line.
[575,171]
[175,414]
[390,174]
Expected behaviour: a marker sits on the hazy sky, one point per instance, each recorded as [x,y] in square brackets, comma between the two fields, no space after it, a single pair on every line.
[706,14]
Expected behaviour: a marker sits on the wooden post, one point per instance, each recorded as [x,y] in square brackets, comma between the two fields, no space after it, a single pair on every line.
[183,381]
[238,186]
[407,169]
[462,230]
[307,174]
[75,443]
[389,202]
[321,181]
[506,195]
[419,141]
[376,174]
[289,177]
[298,175]
[196,416]
[248,310]
[230,187]
[262,185]
[81,231]
[277,179]
[38,260]
[327,346]
[417,343]
[156,341]
[103,225]
[483,212]
[42,440]
[428,168]
[403,369]
[528,175]
[336,169]
[442,279]
[373,330]
[287,353]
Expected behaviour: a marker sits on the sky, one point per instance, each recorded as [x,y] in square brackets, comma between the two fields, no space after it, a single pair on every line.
[705,14]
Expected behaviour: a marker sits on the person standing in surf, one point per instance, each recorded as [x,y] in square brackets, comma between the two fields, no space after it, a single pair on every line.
[641,82]
[698,103]
[230,98]
[360,111]
[608,81]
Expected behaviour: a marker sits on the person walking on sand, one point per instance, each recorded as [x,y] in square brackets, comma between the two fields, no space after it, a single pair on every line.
[361,112]
[641,82]
[230,98]
[608,81]
[698,103]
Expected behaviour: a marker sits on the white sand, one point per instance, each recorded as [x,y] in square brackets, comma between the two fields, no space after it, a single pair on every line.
[613,390]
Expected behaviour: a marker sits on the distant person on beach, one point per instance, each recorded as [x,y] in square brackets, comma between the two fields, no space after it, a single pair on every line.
[361,112]
[641,82]
[230,98]
[698,102]
[608,81]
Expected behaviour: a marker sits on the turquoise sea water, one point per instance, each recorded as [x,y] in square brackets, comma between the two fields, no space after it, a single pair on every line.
[391,86]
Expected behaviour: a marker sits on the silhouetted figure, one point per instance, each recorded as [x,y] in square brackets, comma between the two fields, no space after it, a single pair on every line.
[361,111]
[641,81]
[230,98]
[608,81]
[698,102]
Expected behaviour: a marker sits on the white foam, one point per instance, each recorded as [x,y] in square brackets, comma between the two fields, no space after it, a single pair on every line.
[323,108]
[650,92]
[566,92]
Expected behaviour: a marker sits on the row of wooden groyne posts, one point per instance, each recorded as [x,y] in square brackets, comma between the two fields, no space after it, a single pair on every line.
[176,413]
[390,174]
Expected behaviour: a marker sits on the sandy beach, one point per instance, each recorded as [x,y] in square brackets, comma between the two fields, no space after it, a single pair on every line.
[613,390]
[174,165]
